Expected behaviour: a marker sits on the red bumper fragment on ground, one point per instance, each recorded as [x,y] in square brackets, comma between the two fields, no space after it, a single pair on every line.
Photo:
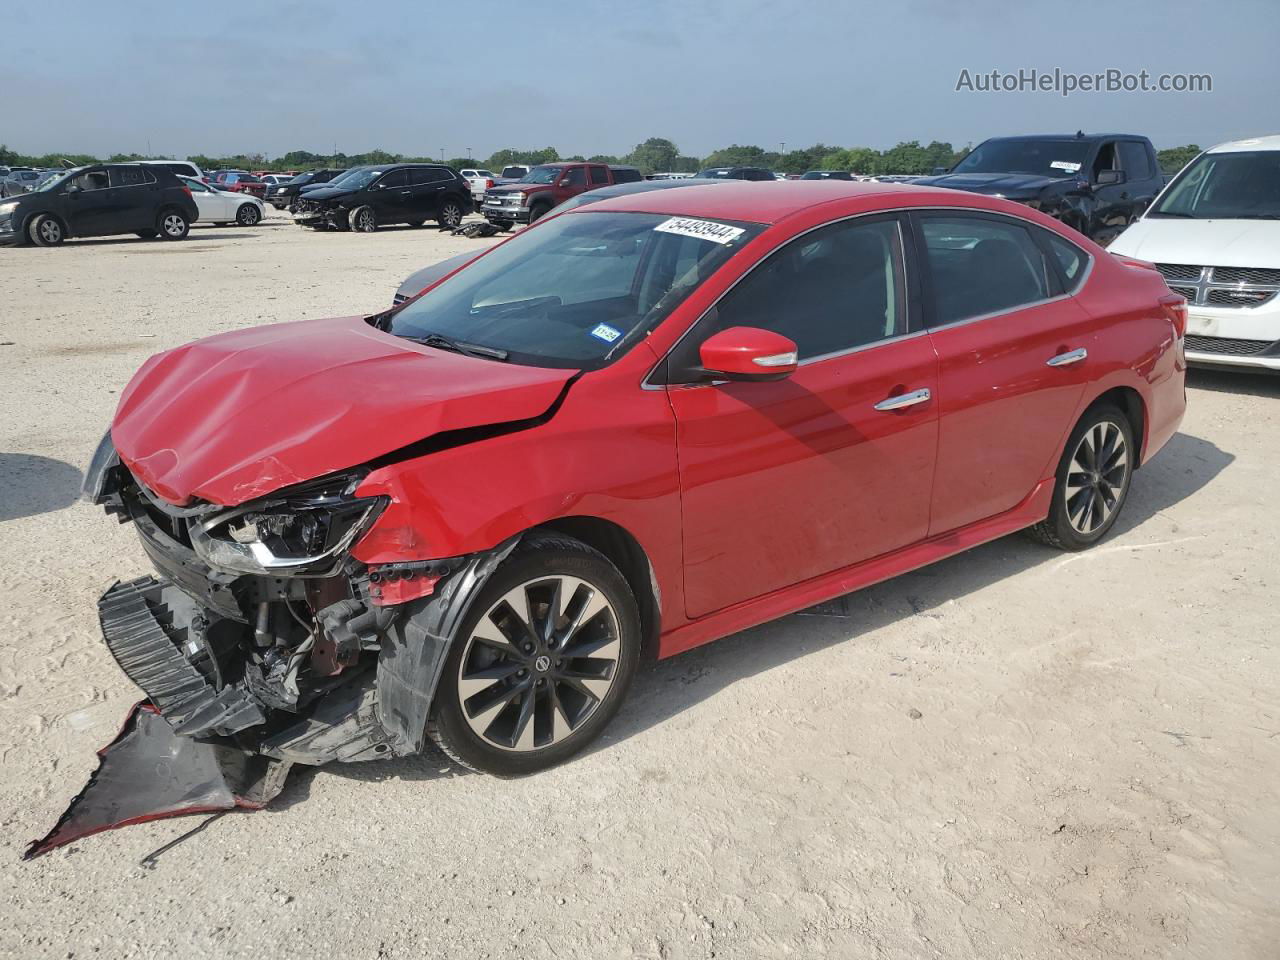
[148,772]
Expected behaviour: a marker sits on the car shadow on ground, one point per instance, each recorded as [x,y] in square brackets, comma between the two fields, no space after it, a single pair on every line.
[667,688]
[1243,382]
[32,485]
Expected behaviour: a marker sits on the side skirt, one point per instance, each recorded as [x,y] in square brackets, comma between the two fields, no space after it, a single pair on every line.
[817,590]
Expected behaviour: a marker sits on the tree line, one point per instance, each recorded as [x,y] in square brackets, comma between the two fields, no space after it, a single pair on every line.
[655,155]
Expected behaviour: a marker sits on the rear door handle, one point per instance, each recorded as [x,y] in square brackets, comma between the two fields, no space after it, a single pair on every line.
[904,400]
[1068,358]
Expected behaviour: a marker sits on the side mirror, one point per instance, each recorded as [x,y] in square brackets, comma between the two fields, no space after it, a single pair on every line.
[74,188]
[1109,177]
[748,353]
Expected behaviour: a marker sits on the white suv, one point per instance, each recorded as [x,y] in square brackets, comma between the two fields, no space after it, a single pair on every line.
[1214,232]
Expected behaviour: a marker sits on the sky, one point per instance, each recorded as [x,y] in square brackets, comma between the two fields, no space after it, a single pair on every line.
[418,76]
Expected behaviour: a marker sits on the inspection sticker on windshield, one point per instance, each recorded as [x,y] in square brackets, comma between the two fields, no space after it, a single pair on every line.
[1066,165]
[702,229]
[606,333]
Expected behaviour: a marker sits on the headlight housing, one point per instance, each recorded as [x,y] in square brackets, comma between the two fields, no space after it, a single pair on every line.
[304,531]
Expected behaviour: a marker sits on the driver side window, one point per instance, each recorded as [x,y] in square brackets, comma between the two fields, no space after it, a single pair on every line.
[93,180]
[576,177]
[829,291]
[1106,160]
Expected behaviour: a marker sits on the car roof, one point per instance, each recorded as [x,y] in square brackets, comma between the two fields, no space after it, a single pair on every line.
[1251,144]
[1071,136]
[762,202]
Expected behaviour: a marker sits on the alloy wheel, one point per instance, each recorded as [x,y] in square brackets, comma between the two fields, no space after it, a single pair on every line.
[539,663]
[451,215]
[174,225]
[366,222]
[1097,477]
[50,231]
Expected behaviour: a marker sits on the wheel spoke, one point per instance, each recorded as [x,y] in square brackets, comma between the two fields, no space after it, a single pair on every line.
[480,680]
[486,632]
[522,738]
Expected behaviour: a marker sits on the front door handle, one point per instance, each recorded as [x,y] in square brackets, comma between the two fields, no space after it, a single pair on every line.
[1068,358]
[904,400]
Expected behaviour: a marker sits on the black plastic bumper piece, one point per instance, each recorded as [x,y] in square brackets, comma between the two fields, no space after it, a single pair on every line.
[132,616]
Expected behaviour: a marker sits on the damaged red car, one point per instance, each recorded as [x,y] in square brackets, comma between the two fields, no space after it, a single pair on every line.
[632,429]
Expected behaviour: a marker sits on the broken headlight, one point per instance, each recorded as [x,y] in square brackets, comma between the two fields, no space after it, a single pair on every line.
[304,531]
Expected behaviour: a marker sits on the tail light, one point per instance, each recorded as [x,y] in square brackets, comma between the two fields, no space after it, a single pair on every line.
[187,190]
[488,184]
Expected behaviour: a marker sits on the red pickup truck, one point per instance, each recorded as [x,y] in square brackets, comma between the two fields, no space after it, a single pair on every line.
[238,181]
[547,186]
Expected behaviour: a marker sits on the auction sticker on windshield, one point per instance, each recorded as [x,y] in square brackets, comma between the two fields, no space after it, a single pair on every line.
[702,229]
[1066,165]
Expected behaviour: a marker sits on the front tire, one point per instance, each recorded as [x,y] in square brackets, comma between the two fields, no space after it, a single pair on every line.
[537,213]
[541,662]
[46,231]
[363,219]
[248,215]
[1093,480]
[172,225]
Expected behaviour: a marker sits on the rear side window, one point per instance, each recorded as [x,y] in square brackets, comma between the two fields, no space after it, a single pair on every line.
[626,176]
[127,177]
[1072,261]
[1135,161]
[182,169]
[831,290]
[423,175]
[982,266]
[599,175]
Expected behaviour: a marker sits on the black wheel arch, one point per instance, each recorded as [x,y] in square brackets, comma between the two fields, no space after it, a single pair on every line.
[624,552]
[1129,402]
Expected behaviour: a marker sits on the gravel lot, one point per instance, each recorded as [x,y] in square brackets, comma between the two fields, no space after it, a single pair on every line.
[1014,753]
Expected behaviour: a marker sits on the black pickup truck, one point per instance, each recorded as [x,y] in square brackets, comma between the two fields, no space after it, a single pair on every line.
[1098,183]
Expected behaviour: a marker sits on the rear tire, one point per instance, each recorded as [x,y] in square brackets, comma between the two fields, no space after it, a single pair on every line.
[248,215]
[544,682]
[363,219]
[1092,483]
[46,231]
[172,225]
[450,214]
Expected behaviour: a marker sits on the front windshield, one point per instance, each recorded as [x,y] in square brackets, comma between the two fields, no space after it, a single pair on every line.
[1042,158]
[541,175]
[579,290]
[56,181]
[356,179]
[1230,186]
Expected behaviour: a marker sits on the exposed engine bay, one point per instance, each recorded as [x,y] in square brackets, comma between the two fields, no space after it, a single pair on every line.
[262,640]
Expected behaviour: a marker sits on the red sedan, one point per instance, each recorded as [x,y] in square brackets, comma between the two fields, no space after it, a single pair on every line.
[637,426]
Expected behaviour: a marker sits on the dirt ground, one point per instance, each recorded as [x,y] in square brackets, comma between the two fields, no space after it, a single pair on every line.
[1014,753]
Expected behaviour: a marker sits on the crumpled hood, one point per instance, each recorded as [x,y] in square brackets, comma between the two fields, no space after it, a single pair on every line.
[323,191]
[238,415]
[1223,243]
[1008,184]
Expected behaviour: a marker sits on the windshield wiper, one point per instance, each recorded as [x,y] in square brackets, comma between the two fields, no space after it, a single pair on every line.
[441,342]
[1171,213]
[1254,216]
